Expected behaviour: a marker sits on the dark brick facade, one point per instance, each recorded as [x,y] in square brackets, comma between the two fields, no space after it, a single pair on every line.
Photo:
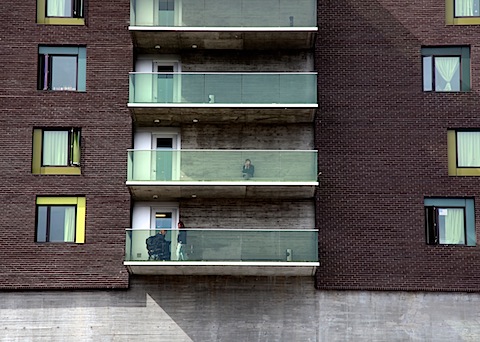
[105,121]
[383,147]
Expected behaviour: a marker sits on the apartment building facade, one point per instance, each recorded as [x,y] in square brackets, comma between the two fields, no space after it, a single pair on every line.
[122,119]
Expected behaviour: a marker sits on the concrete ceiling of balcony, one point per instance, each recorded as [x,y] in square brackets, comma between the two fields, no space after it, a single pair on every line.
[175,192]
[147,117]
[175,41]
[168,268]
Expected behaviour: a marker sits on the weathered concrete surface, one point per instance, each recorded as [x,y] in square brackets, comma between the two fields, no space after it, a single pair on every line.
[237,309]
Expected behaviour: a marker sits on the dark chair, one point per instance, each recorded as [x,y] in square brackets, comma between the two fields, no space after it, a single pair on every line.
[158,248]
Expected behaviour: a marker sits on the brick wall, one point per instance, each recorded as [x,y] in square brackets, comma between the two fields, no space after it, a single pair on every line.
[383,147]
[105,121]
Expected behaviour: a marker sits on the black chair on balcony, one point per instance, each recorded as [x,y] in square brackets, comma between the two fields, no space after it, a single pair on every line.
[158,247]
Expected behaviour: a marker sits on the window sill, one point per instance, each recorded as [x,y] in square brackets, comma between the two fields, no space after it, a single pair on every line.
[448,92]
[464,21]
[62,90]
[62,21]
[67,170]
[464,172]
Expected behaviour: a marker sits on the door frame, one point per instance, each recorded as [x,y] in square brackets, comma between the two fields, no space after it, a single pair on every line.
[174,209]
[177,79]
[174,134]
[177,13]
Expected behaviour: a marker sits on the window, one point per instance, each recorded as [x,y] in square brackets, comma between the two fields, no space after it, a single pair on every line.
[446,69]
[462,12]
[463,152]
[60,219]
[466,8]
[60,12]
[450,221]
[61,68]
[56,151]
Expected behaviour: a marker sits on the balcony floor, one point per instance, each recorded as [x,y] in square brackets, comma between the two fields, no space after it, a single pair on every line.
[174,39]
[176,190]
[222,268]
[146,114]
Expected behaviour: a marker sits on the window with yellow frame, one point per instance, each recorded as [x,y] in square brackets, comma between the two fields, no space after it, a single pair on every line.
[463,152]
[56,151]
[60,219]
[462,12]
[60,12]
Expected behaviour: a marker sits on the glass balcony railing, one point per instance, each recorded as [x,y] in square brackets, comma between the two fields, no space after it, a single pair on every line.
[223,88]
[247,245]
[222,165]
[223,13]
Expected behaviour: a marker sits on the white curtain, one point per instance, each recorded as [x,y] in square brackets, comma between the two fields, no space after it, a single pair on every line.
[468,149]
[55,148]
[454,227]
[447,67]
[464,8]
[69,225]
[56,8]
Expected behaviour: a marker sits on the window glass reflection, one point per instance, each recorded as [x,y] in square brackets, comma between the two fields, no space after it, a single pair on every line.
[64,72]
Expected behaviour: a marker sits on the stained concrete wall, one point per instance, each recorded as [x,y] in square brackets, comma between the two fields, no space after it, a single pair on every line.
[240,136]
[238,213]
[248,136]
[268,61]
[212,309]
[237,61]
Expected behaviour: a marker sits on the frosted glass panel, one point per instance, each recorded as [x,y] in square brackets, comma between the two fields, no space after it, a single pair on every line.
[224,165]
[296,245]
[225,13]
[228,88]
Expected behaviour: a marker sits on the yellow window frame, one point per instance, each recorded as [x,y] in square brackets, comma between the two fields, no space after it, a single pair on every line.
[37,167]
[43,19]
[453,170]
[450,16]
[79,202]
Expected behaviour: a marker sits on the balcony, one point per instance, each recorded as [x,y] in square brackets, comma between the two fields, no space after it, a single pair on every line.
[174,174]
[232,97]
[267,252]
[223,24]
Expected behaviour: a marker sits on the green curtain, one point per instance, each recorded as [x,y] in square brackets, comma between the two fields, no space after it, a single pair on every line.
[447,67]
[76,148]
[468,149]
[55,148]
[69,225]
[454,226]
[464,8]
